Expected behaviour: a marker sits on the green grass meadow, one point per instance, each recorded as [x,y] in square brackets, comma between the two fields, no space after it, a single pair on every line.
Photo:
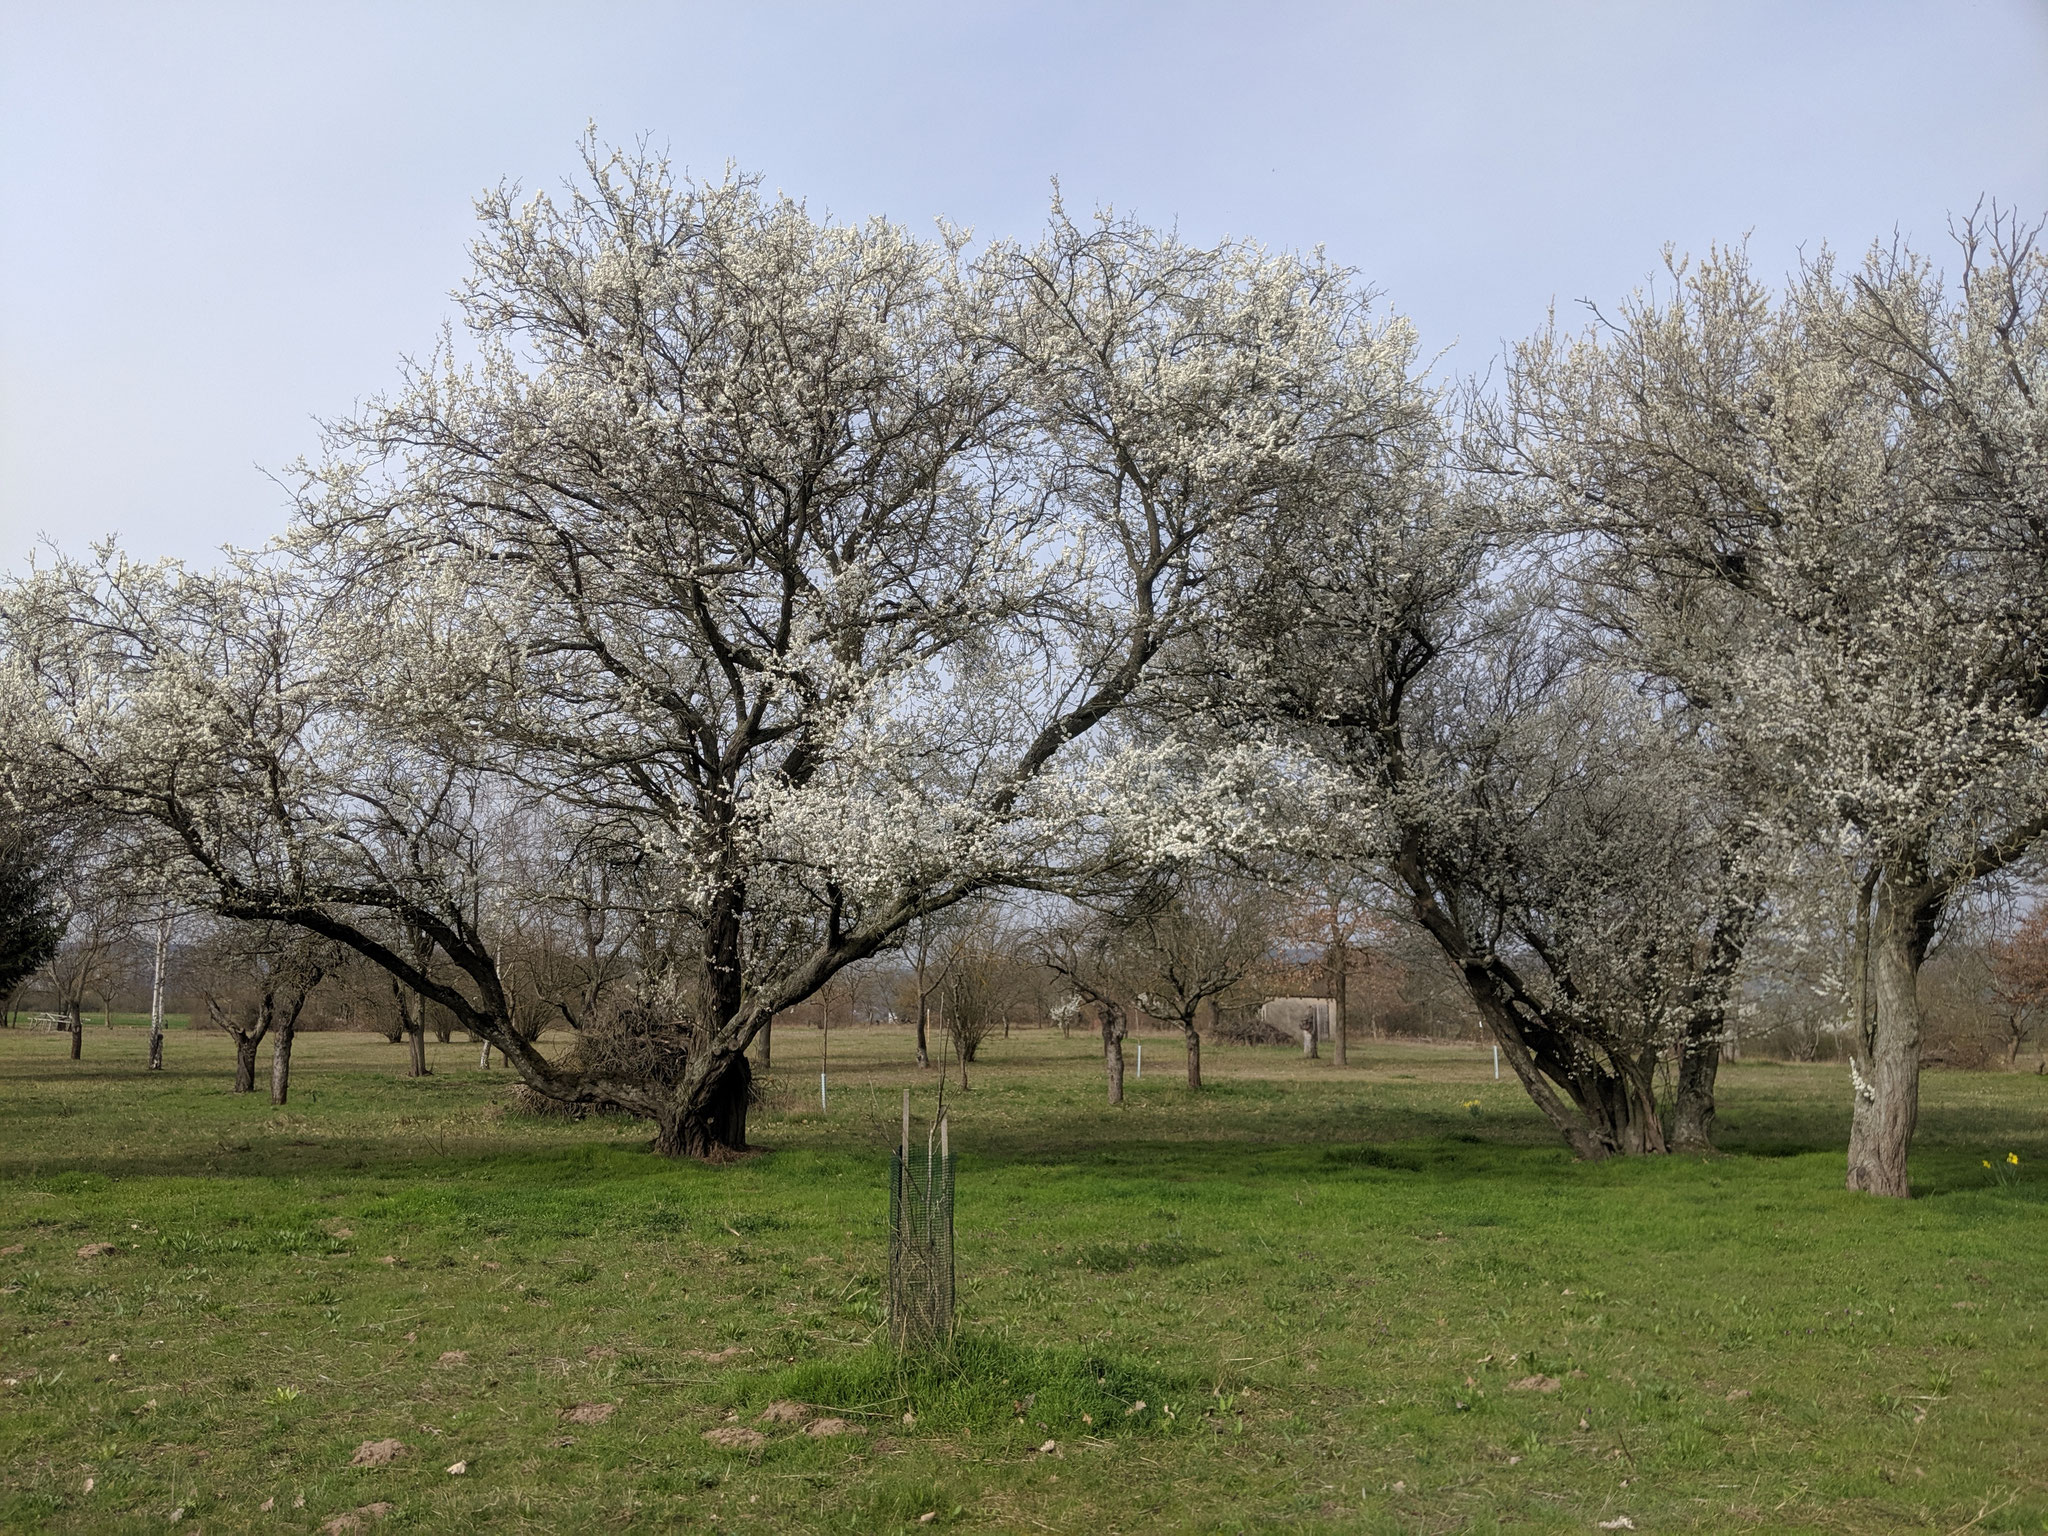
[1375,1299]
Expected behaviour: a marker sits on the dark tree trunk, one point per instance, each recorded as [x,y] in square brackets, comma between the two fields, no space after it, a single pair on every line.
[1884,1063]
[1699,1060]
[1194,1055]
[1699,1053]
[1600,1106]
[1585,1143]
[1621,1105]
[1113,1051]
[245,1063]
[924,1055]
[77,1033]
[708,1117]
[281,1065]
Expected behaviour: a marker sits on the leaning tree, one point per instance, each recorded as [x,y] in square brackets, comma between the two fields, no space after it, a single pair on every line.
[1563,841]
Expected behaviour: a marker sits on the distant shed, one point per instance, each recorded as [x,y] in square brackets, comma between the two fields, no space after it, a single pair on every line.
[1293,1015]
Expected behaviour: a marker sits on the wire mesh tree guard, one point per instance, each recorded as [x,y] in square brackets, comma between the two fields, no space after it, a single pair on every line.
[921,1240]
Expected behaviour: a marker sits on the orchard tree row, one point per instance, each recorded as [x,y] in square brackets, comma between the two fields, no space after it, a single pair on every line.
[753,589]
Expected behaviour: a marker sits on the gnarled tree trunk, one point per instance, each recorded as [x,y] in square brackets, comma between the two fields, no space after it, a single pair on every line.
[1599,1104]
[1895,924]
[1699,1061]
[77,1033]
[707,1118]
[245,1062]
[1620,1103]
[1585,1144]
[1605,1108]
[1699,1052]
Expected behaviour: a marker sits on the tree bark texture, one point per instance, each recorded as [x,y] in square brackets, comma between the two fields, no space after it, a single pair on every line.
[1113,1051]
[281,1064]
[1606,1108]
[245,1062]
[1896,924]
[924,1055]
[1194,1056]
[1699,1060]
[708,1117]
[768,1043]
[77,1033]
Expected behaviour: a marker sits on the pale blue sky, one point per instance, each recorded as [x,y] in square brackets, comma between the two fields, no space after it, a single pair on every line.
[221,222]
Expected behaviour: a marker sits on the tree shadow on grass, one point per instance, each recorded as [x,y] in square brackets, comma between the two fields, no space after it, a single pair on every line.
[229,1149]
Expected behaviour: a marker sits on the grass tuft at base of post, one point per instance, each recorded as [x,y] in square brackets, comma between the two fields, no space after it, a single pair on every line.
[984,1383]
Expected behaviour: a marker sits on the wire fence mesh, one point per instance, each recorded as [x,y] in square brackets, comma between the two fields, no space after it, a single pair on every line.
[921,1249]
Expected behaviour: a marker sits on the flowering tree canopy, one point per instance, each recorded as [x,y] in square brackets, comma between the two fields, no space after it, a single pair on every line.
[1818,515]
[738,590]
[786,567]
